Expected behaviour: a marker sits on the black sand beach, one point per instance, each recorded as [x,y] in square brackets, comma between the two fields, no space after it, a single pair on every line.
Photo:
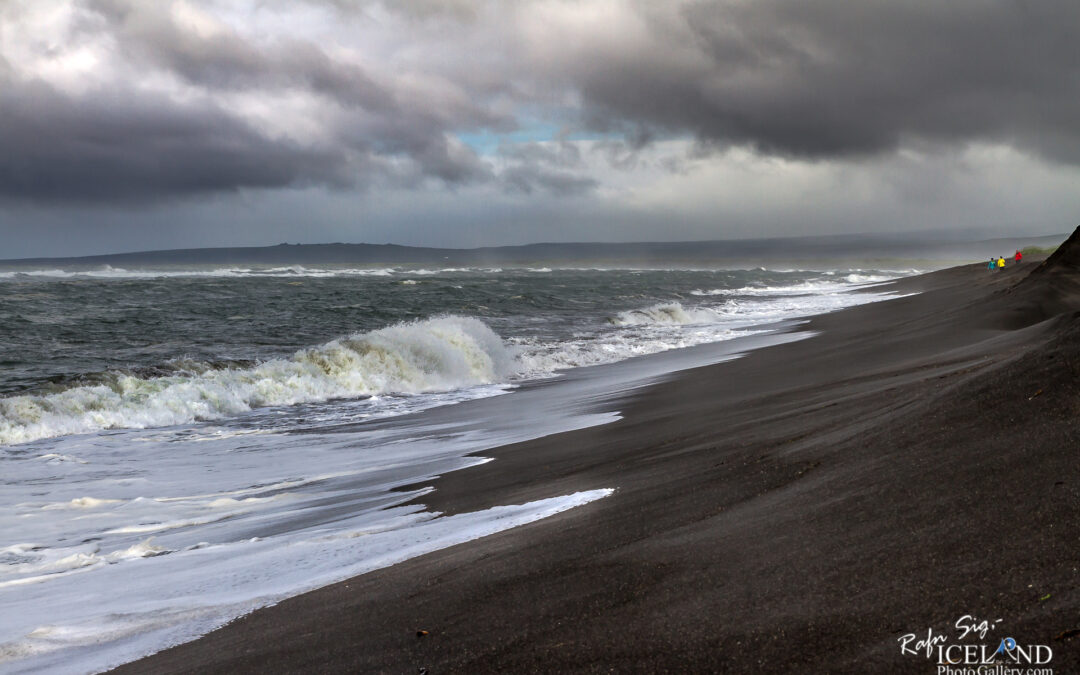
[796,510]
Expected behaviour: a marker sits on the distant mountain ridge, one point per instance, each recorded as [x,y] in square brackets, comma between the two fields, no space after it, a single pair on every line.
[730,251]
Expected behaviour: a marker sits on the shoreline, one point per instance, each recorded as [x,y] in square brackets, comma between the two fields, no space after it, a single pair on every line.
[801,507]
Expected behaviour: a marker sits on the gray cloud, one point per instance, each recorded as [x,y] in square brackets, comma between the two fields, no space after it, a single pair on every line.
[834,78]
[225,60]
[122,141]
[529,178]
[560,154]
[557,168]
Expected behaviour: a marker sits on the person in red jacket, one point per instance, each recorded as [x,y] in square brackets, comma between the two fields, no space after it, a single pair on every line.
[1019,256]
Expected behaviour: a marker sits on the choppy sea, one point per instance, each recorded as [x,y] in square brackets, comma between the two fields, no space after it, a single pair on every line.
[180,446]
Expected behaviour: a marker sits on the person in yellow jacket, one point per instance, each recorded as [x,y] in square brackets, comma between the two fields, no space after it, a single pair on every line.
[1001,262]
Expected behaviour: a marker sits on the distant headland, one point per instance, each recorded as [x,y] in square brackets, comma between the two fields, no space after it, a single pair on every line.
[718,252]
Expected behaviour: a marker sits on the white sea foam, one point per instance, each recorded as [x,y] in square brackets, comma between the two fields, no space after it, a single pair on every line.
[81,503]
[29,560]
[438,354]
[845,284]
[55,458]
[541,359]
[211,585]
[36,564]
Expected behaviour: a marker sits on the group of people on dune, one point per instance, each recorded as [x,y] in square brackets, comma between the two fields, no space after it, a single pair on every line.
[999,262]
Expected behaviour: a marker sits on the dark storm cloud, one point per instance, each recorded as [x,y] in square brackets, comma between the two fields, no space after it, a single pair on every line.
[116,146]
[836,78]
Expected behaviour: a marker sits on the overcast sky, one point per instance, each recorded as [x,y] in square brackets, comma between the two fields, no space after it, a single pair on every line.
[130,125]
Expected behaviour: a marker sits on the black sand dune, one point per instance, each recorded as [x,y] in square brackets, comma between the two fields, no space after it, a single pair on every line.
[797,510]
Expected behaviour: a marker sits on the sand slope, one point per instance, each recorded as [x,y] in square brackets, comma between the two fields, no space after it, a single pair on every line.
[797,510]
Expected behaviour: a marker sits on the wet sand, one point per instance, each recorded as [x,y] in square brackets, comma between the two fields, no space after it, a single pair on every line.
[796,510]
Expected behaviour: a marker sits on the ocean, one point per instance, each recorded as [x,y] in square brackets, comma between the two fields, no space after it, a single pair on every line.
[180,446]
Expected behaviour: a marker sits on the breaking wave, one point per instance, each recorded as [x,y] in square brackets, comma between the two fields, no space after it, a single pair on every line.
[666,313]
[438,354]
